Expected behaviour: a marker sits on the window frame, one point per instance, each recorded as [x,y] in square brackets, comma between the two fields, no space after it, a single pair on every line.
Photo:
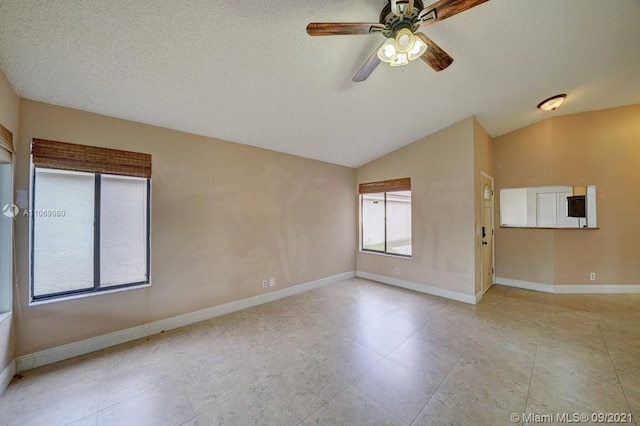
[383,187]
[97,288]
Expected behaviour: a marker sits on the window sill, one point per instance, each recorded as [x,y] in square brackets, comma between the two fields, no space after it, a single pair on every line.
[85,295]
[5,315]
[377,253]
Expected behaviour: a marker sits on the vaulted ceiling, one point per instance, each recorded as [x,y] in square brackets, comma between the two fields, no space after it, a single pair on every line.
[247,72]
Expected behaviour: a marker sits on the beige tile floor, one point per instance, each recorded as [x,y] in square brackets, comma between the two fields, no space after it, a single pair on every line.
[356,352]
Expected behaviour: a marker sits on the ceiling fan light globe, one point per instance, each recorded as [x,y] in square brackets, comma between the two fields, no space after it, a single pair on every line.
[400,60]
[387,51]
[418,49]
[405,41]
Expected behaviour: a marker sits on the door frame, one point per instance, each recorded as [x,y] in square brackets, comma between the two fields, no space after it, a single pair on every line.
[493,224]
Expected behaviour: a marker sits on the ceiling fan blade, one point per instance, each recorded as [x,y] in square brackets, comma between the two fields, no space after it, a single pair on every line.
[368,67]
[444,9]
[342,28]
[435,57]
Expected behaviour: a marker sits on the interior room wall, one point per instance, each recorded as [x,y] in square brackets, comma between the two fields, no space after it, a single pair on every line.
[441,168]
[593,148]
[483,163]
[9,105]
[225,216]
[521,159]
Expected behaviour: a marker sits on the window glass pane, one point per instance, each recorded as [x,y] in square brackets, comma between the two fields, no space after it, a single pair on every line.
[373,221]
[123,233]
[6,246]
[63,216]
[399,222]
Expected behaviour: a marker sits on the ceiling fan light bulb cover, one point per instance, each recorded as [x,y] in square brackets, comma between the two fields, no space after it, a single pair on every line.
[400,60]
[418,49]
[405,41]
[387,51]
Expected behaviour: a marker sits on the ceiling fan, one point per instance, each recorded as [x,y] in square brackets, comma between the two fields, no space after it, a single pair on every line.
[399,22]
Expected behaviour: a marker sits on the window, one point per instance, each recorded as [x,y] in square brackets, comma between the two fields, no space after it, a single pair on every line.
[385,216]
[90,220]
[6,218]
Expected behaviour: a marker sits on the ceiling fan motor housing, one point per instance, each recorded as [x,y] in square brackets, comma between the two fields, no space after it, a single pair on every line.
[394,23]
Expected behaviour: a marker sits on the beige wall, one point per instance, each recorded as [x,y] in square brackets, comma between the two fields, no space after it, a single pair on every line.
[224,217]
[9,103]
[521,159]
[597,148]
[483,163]
[441,167]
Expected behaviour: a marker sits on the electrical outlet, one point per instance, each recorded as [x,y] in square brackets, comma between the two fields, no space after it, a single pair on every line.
[265,283]
[592,276]
[396,270]
[272,282]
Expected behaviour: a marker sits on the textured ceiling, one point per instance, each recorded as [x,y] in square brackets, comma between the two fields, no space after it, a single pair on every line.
[247,72]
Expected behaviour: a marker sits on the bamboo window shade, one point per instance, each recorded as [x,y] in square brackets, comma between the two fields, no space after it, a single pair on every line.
[82,158]
[403,184]
[6,145]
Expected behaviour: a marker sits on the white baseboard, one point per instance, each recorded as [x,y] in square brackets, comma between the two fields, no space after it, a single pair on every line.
[81,347]
[6,376]
[527,285]
[423,288]
[569,288]
[598,288]
[59,353]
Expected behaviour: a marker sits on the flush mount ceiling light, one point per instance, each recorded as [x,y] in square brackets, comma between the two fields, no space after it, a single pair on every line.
[552,103]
